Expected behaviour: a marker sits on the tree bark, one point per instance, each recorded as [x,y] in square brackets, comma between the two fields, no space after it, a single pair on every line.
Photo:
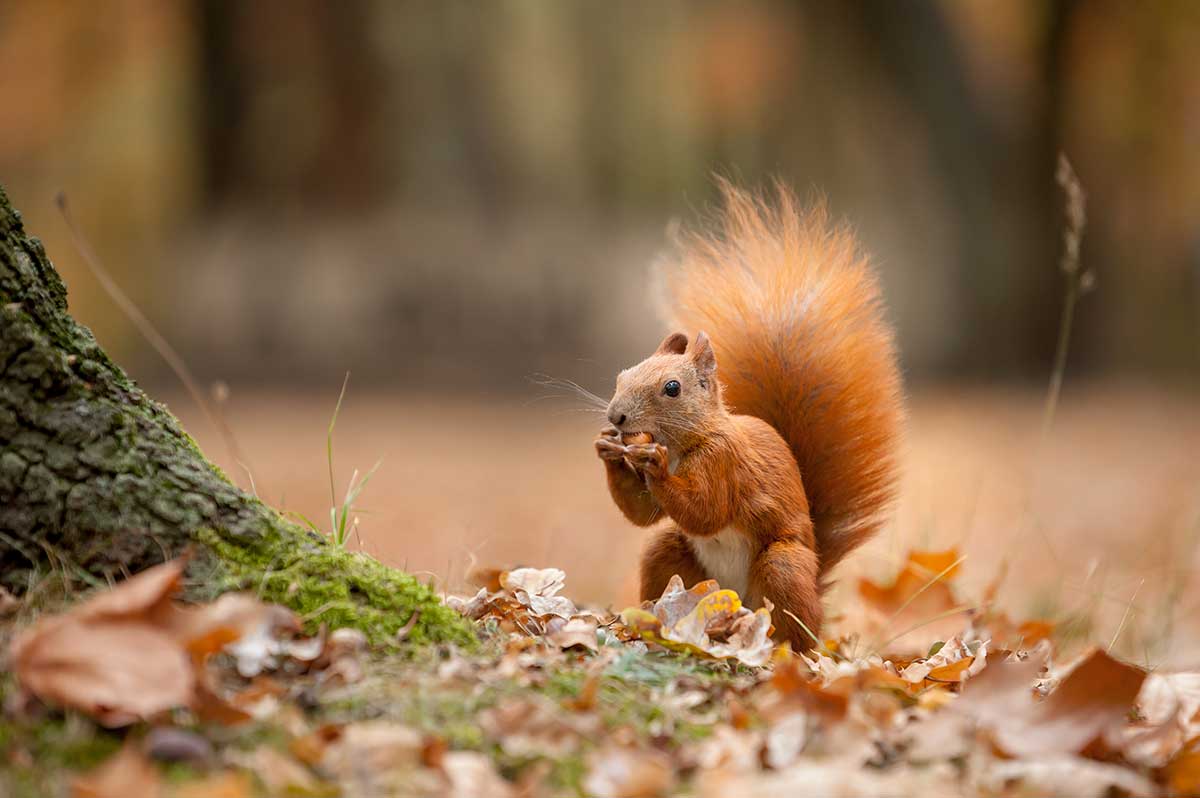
[96,477]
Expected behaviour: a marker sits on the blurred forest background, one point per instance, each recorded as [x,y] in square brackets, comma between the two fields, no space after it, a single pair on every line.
[445,198]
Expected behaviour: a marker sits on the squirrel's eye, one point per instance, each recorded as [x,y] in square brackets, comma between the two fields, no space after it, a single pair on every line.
[671,388]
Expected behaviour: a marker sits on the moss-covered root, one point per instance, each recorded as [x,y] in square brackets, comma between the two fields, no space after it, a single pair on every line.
[330,585]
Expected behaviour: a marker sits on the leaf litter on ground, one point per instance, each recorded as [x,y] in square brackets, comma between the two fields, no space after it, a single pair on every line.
[686,692]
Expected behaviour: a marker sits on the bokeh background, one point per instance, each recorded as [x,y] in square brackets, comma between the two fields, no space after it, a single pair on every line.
[446,199]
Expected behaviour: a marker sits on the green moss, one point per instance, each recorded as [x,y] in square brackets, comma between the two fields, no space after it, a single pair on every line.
[327,584]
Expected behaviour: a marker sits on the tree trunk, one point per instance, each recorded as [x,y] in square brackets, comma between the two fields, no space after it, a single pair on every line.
[96,477]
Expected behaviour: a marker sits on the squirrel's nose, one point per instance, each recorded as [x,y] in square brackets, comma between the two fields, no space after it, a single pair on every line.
[616,417]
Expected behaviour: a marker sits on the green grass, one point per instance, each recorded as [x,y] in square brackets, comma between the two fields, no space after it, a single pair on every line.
[343,523]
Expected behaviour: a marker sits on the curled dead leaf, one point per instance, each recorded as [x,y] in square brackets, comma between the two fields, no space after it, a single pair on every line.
[538,591]
[955,661]
[534,581]
[527,598]
[579,631]
[705,620]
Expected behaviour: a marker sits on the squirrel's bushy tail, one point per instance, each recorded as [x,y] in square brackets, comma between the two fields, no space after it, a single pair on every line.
[794,312]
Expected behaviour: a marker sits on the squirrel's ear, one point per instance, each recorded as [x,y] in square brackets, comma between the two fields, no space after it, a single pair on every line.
[703,355]
[673,344]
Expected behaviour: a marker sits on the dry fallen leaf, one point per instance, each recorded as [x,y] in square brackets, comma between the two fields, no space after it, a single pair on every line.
[1171,696]
[131,652]
[705,620]
[918,606]
[579,631]
[955,661]
[208,628]
[259,643]
[537,589]
[341,659]
[108,656]
[526,600]
[1001,686]
[793,688]
[617,772]
[1095,696]
[1168,709]
[918,575]
[125,774]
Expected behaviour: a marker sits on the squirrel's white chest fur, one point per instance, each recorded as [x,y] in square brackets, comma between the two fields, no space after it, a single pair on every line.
[726,557]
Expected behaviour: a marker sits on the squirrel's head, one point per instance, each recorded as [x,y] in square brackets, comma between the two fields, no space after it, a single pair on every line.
[671,394]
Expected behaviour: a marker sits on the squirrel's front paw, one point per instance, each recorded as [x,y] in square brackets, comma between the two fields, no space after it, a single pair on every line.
[648,458]
[609,446]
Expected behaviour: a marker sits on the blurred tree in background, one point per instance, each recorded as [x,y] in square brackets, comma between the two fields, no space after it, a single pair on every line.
[291,187]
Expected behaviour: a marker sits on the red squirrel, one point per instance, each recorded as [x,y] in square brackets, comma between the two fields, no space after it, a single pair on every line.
[775,430]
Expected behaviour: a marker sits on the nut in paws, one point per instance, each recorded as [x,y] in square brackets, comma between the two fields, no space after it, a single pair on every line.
[649,458]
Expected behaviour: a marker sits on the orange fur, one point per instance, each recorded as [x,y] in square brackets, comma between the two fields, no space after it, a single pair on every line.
[668,554]
[796,317]
[807,385]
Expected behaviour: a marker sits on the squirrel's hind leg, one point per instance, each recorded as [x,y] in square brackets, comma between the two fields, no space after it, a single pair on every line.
[668,553]
[785,573]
